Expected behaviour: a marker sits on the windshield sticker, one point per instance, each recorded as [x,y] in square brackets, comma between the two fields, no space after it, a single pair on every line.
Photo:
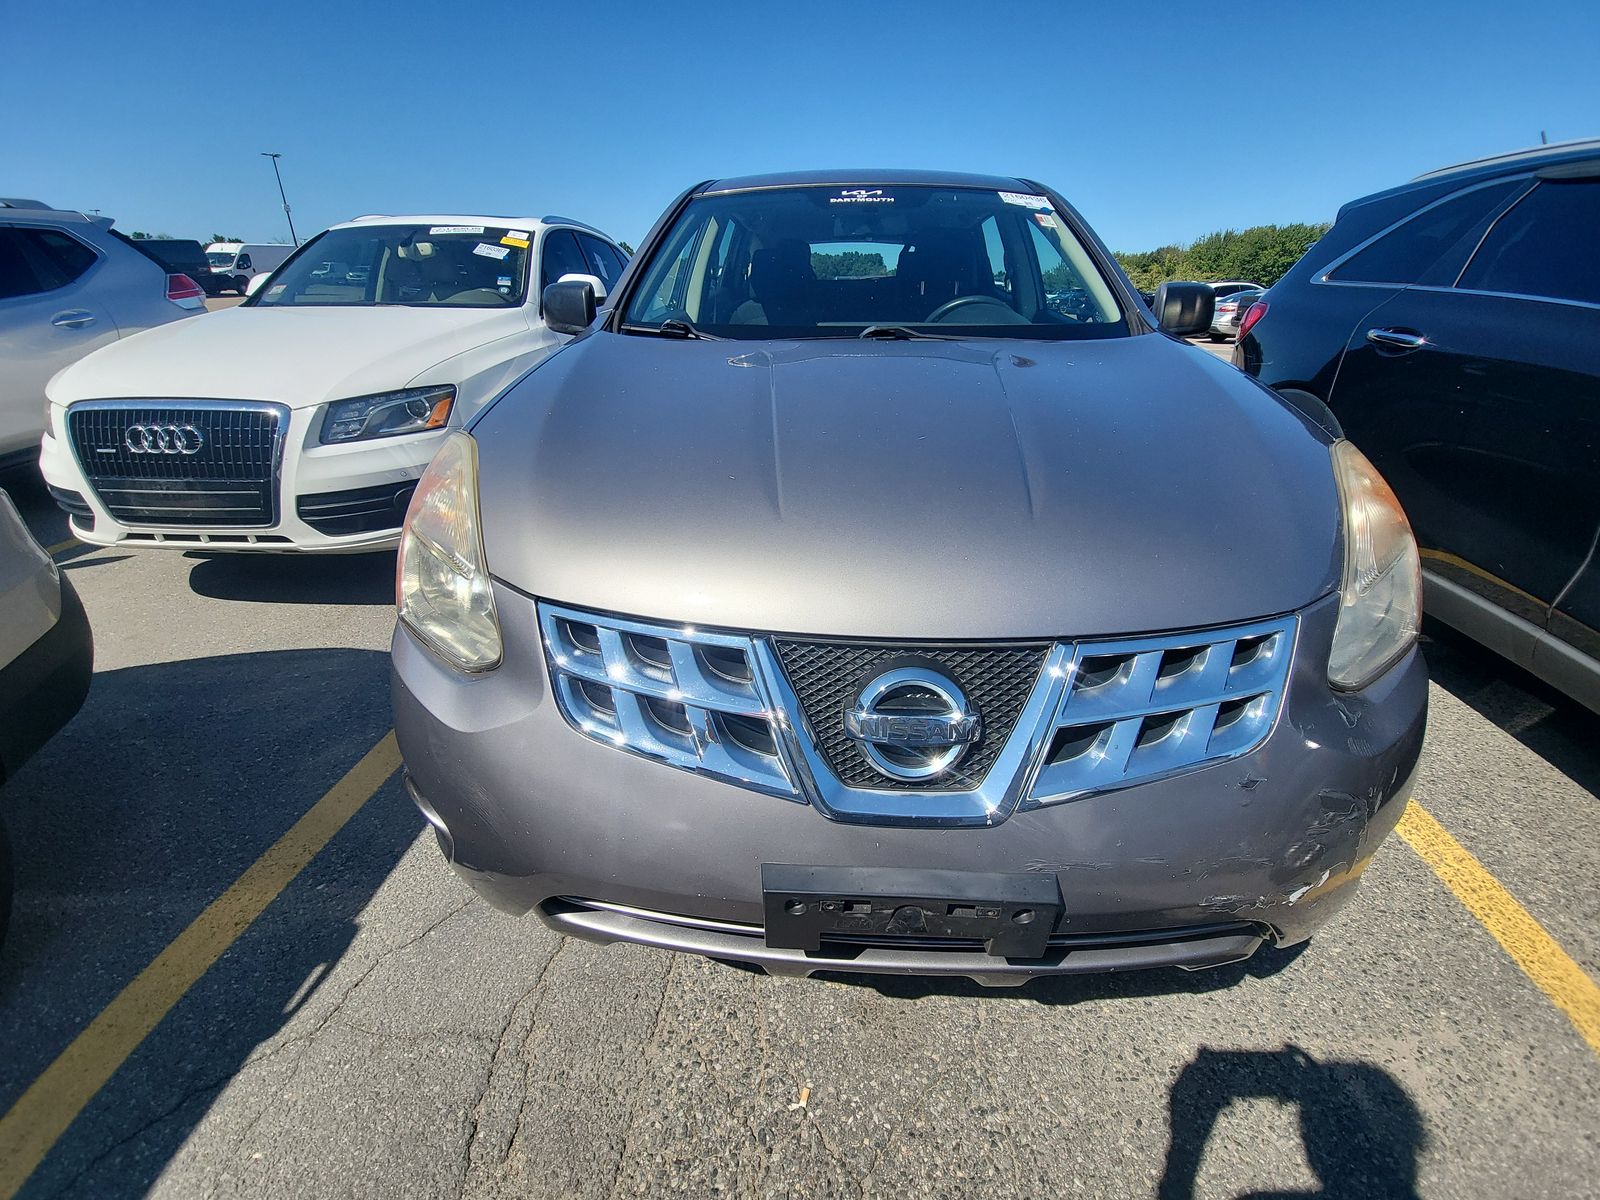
[275,289]
[861,196]
[438,229]
[1045,220]
[488,251]
[503,282]
[513,239]
[519,233]
[1024,199]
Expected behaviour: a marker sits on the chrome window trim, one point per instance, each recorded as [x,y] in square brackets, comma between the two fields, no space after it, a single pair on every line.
[1321,276]
[1455,291]
[282,411]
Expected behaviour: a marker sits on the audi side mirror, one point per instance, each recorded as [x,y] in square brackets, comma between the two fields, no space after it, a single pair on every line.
[256,284]
[594,281]
[569,305]
[1185,308]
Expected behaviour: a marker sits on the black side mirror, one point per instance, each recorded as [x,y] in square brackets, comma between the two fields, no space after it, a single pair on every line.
[569,307]
[1185,308]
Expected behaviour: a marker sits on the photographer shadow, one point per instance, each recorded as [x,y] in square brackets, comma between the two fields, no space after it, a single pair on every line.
[1362,1132]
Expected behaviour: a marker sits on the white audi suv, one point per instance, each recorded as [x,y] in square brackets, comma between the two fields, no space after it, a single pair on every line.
[302,419]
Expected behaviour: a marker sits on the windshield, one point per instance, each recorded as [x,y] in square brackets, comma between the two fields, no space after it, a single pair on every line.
[220,258]
[832,262]
[419,266]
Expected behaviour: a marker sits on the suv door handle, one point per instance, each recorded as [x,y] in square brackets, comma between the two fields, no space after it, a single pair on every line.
[75,318]
[1404,340]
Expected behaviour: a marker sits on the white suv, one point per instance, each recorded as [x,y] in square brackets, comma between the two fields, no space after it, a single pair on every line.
[301,419]
[69,284]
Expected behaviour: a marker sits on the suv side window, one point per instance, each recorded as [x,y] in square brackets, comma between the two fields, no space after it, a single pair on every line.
[40,260]
[601,261]
[1547,245]
[17,277]
[560,256]
[1402,255]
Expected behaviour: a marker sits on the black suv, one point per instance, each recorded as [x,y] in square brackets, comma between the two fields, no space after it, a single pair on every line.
[1452,327]
[181,256]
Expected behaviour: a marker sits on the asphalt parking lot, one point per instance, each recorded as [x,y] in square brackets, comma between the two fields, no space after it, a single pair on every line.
[188,1012]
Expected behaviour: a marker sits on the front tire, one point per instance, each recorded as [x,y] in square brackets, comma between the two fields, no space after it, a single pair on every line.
[240,282]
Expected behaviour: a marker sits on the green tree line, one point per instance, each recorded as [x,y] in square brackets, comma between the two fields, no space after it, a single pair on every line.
[1261,253]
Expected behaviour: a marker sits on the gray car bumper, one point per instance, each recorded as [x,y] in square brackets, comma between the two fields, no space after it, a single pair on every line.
[1193,870]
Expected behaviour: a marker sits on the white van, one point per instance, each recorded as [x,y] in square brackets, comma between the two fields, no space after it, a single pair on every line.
[237,263]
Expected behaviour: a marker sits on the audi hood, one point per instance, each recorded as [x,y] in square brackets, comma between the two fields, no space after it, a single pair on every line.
[295,356]
[920,490]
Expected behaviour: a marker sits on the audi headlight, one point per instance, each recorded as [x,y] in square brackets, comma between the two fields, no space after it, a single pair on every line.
[387,414]
[442,588]
[1380,601]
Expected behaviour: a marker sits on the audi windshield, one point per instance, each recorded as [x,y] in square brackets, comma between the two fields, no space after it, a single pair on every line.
[448,266]
[900,261]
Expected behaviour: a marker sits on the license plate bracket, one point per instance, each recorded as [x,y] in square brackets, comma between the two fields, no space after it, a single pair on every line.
[1012,913]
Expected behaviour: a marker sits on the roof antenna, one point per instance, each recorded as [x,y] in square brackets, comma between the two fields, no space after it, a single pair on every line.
[1543,141]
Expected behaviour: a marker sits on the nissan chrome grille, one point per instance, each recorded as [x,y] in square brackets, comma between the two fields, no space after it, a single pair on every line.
[903,734]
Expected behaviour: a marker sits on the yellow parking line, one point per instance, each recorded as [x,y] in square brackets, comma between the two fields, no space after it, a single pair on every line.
[52,551]
[1527,942]
[54,1100]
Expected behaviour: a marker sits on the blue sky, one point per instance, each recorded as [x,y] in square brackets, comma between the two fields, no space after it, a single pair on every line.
[1159,122]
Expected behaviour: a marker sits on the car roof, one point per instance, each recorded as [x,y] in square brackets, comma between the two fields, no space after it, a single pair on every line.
[499,221]
[1541,155]
[1514,161]
[740,183]
[61,216]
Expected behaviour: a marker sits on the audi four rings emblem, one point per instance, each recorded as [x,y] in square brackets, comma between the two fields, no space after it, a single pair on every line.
[163,439]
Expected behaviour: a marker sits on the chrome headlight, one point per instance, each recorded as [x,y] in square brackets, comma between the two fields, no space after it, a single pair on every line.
[387,414]
[442,588]
[1380,600]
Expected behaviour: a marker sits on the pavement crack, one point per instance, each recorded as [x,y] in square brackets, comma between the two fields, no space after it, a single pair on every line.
[189,1096]
[646,1053]
[475,1113]
[305,1040]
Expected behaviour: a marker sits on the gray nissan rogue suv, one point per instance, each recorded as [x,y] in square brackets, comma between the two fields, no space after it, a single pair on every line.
[838,601]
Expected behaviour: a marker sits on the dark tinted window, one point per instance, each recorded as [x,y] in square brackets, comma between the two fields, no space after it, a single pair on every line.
[50,260]
[16,273]
[561,256]
[1548,244]
[602,261]
[58,259]
[1404,253]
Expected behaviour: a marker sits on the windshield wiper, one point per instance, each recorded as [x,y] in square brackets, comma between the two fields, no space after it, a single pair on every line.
[675,328]
[900,333]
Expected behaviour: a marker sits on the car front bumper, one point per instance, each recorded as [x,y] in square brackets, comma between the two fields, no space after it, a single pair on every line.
[1192,870]
[308,470]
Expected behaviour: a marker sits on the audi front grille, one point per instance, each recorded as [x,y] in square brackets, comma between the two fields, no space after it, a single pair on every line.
[182,463]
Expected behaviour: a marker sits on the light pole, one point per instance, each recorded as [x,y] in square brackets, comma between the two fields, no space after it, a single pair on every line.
[275,157]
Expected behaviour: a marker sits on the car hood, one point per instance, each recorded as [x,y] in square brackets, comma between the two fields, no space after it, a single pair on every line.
[927,490]
[296,356]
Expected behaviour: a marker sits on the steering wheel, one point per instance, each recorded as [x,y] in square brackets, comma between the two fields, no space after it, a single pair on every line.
[961,302]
